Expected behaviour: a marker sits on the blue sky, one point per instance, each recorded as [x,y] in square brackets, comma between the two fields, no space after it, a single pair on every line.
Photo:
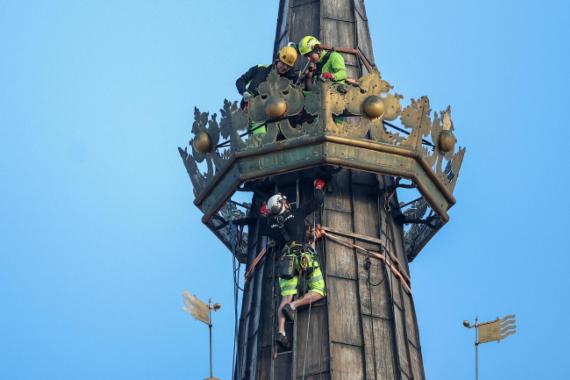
[99,235]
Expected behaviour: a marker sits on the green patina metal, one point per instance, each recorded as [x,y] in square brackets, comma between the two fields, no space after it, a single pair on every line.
[292,143]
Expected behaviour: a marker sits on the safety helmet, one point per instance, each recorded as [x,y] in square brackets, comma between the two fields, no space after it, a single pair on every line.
[288,55]
[308,44]
[276,204]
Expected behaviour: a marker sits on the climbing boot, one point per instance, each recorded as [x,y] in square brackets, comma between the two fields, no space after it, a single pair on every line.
[283,341]
[289,313]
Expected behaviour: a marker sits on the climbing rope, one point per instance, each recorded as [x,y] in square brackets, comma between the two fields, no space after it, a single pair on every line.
[273,316]
[391,240]
[314,231]
[236,269]
[404,278]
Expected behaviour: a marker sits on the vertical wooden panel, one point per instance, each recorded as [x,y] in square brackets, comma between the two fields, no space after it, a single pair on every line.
[338,214]
[304,19]
[283,367]
[264,367]
[364,43]
[401,341]
[338,9]
[344,314]
[379,343]
[254,328]
[410,320]
[417,365]
[312,340]
[269,304]
[346,362]
[342,264]
[400,253]
[338,34]
[281,35]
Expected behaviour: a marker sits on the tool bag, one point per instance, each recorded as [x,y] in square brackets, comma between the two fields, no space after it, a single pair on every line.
[286,267]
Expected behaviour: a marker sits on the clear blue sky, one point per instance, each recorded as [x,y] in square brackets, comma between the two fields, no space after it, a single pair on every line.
[99,235]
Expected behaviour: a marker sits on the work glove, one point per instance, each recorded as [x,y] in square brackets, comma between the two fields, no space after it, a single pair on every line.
[247,95]
[263,210]
[320,184]
[327,76]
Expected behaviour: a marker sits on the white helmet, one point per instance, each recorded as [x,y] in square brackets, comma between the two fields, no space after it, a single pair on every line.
[276,204]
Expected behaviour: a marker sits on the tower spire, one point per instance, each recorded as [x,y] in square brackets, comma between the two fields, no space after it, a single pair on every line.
[365,327]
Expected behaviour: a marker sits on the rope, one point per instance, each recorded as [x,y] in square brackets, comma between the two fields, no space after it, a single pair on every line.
[396,272]
[311,304]
[273,352]
[307,340]
[390,230]
[232,233]
[254,263]
[372,318]
[353,51]
[327,231]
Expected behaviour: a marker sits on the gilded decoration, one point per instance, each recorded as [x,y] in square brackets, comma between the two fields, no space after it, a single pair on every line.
[360,111]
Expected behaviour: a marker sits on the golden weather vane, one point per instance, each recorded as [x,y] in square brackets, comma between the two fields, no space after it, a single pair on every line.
[491,331]
[202,312]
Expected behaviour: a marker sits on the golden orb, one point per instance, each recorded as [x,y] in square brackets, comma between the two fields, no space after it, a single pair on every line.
[446,141]
[203,142]
[374,107]
[275,107]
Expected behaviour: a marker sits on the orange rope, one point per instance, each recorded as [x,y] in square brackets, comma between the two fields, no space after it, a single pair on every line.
[254,263]
[320,232]
[403,278]
[323,230]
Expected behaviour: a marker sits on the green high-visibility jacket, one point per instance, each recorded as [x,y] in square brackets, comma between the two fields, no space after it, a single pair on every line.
[332,62]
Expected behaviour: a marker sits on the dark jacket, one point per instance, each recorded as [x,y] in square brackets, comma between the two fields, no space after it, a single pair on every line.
[257,74]
[290,226]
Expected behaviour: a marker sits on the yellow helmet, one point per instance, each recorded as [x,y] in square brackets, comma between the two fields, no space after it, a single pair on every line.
[308,44]
[288,55]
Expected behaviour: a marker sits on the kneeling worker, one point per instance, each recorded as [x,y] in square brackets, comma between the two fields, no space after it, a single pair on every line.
[287,227]
[247,84]
[324,65]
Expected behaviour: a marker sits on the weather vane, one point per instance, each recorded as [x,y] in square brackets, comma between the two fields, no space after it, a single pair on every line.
[492,331]
[203,312]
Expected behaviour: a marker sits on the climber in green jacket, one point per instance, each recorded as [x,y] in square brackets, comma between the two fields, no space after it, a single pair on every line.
[323,64]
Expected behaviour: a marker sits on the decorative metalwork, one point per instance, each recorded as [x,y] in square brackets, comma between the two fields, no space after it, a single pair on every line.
[350,123]
[418,234]
[221,225]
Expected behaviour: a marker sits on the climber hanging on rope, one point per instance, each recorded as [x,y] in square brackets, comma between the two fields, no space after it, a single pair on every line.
[287,227]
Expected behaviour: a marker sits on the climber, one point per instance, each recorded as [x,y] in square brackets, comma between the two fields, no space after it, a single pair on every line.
[247,83]
[323,65]
[287,227]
